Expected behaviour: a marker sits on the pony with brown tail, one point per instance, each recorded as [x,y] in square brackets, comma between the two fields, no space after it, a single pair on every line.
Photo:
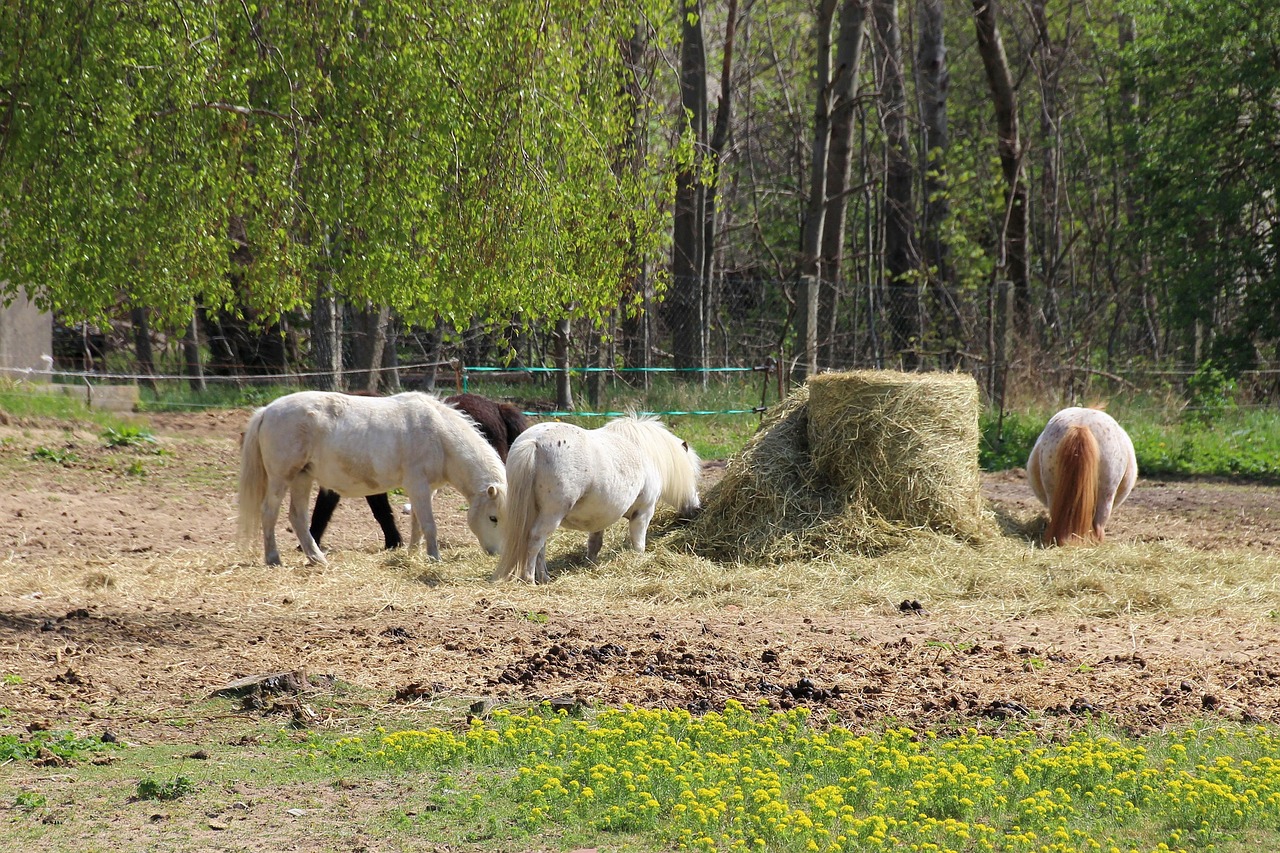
[1082,467]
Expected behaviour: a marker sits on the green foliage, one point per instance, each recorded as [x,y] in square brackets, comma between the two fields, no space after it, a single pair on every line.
[127,436]
[449,160]
[30,801]
[1207,170]
[60,456]
[1242,443]
[176,788]
[63,745]
[1210,394]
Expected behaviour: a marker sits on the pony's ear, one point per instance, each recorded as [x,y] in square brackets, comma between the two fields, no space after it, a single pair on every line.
[492,490]
[685,445]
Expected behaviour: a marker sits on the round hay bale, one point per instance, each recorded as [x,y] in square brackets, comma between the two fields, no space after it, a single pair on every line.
[859,462]
[903,445]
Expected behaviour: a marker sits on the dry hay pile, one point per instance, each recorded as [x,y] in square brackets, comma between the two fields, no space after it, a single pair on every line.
[858,462]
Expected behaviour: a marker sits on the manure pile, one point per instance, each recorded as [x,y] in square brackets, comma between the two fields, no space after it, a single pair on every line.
[859,462]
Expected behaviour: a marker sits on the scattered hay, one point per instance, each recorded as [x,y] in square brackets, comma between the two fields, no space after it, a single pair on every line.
[852,462]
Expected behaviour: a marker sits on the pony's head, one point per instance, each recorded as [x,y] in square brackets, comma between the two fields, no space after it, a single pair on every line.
[484,516]
[692,503]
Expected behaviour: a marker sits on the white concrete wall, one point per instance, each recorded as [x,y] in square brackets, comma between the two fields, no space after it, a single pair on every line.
[26,334]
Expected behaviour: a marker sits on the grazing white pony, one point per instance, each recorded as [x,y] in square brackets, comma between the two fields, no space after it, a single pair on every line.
[1081,468]
[561,474]
[359,446]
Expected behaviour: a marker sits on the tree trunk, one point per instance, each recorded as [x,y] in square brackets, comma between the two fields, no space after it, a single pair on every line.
[809,293]
[1133,207]
[1049,68]
[637,297]
[685,299]
[373,340]
[142,346]
[390,379]
[844,84]
[1012,257]
[715,151]
[431,354]
[191,364]
[901,259]
[564,392]
[326,339]
[934,85]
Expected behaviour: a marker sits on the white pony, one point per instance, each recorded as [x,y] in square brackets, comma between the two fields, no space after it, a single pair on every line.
[561,474]
[358,446]
[1081,468]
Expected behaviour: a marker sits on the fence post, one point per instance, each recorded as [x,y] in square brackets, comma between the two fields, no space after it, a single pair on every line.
[810,285]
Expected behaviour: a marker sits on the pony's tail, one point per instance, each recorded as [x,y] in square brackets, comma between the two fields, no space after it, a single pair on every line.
[1075,495]
[253,482]
[514,420]
[522,464]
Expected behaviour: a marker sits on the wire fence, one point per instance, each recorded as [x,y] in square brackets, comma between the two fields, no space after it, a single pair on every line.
[598,369]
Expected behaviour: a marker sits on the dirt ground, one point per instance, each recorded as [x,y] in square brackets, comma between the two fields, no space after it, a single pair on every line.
[86,642]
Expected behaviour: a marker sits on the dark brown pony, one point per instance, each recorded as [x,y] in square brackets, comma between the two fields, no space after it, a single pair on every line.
[500,423]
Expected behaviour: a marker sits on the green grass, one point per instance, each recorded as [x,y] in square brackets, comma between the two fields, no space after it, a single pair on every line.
[26,402]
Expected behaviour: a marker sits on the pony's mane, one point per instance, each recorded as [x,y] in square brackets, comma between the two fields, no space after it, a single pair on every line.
[471,436]
[679,468]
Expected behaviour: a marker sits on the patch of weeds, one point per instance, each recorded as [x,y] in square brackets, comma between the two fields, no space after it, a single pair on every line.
[151,788]
[127,436]
[30,801]
[61,456]
[1211,394]
[61,745]
[11,680]
[136,469]
[537,617]
[1006,443]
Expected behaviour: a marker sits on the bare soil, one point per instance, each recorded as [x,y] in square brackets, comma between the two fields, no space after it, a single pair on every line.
[88,643]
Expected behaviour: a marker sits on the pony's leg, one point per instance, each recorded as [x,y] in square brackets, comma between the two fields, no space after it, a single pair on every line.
[299,500]
[533,568]
[595,541]
[326,503]
[271,502]
[424,521]
[540,574]
[1101,515]
[381,506]
[638,527]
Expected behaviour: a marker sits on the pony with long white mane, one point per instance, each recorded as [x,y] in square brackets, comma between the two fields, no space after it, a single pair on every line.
[1082,467]
[559,474]
[359,446]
